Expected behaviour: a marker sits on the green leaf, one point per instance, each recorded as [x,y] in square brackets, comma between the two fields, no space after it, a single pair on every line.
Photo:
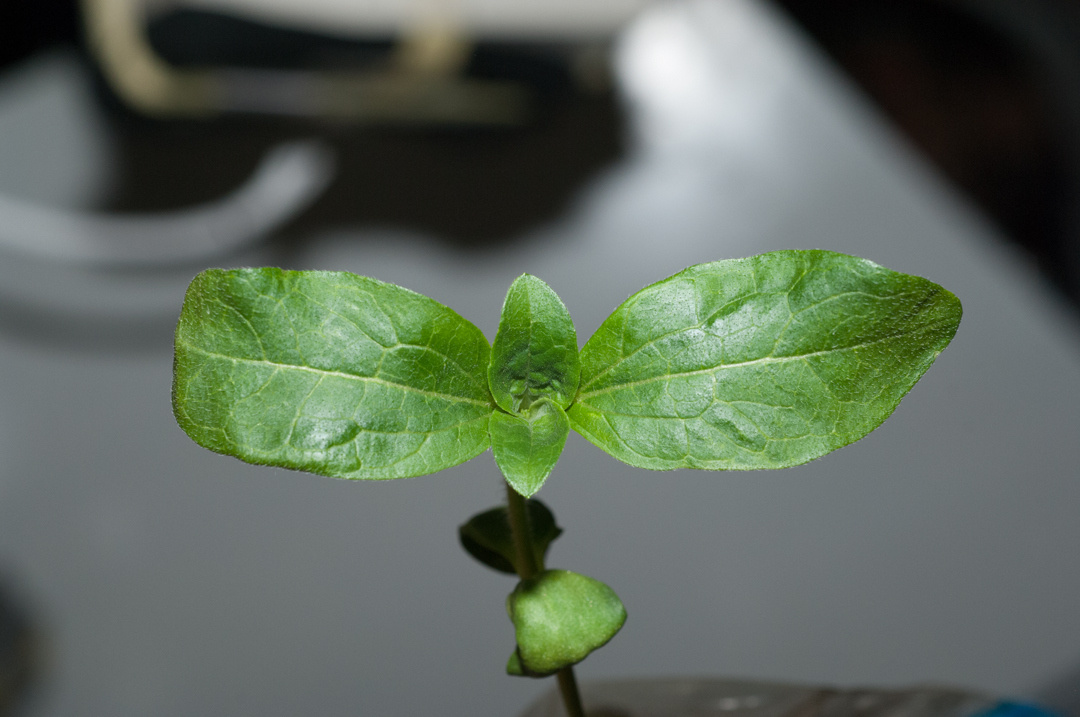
[559,618]
[329,372]
[535,354]
[527,447]
[765,362]
[514,666]
[487,537]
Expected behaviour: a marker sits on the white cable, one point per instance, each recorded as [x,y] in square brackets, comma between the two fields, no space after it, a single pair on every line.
[287,180]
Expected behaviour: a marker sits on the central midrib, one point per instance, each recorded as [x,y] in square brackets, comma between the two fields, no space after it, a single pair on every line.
[751,362]
[340,374]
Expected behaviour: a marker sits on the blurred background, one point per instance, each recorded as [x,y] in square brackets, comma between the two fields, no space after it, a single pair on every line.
[448,147]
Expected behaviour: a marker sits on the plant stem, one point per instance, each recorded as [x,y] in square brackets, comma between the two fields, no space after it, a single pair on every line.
[522,533]
[528,566]
[570,696]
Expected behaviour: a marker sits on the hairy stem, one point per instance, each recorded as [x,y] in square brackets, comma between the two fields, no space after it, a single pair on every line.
[529,566]
[522,532]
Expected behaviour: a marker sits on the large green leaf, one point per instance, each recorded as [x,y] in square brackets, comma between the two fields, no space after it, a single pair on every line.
[765,362]
[329,372]
[559,618]
[535,353]
[526,447]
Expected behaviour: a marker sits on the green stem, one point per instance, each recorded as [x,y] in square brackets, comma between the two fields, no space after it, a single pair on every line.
[570,696]
[528,566]
[522,533]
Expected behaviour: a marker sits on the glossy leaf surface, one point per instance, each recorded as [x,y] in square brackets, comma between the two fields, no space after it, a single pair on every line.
[535,353]
[329,372]
[526,447]
[487,537]
[559,618]
[765,362]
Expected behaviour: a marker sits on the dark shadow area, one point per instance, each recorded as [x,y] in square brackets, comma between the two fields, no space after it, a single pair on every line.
[27,26]
[982,99]
[19,656]
[468,185]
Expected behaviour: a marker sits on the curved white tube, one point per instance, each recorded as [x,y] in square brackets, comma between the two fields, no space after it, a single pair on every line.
[287,180]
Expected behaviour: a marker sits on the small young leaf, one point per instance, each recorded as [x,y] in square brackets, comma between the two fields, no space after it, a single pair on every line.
[329,372]
[559,618]
[514,666]
[526,447]
[765,362]
[535,354]
[487,537]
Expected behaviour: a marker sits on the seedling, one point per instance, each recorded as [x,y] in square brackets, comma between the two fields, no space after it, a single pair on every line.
[765,362]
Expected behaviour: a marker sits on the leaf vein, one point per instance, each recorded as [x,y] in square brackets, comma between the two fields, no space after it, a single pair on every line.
[340,374]
[751,362]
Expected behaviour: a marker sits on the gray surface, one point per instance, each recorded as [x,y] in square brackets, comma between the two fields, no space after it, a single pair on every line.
[712,697]
[172,581]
